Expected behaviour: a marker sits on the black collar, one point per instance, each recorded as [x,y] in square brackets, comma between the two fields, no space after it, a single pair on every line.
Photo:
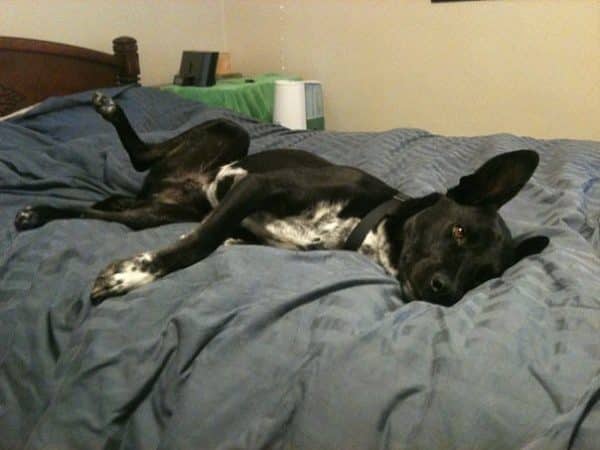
[399,205]
[371,220]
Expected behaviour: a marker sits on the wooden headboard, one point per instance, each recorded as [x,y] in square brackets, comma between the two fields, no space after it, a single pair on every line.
[32,70]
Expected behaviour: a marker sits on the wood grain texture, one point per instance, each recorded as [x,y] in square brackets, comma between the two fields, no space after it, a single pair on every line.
[32,70]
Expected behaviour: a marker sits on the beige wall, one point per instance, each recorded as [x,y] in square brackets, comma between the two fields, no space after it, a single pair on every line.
[528,67]
[163,28]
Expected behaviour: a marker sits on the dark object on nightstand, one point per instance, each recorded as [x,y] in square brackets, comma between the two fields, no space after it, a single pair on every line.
[197,69]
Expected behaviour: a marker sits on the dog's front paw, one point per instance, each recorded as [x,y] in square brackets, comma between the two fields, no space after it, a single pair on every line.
[30,217]
[122,276]
[104,105]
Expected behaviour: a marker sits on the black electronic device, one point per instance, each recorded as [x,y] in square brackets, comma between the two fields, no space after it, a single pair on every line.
[197,69]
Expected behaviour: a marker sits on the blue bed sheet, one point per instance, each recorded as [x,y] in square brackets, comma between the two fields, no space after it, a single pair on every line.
[256,347]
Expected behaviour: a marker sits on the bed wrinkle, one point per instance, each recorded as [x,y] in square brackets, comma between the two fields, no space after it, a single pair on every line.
[39,138]
[286,409]
[146,387]
[299,138]
[297,392]
[592,399]
[214,331]
[314,295]
[544,385]
[267,430]
[564,430]
[52,341]
[441,337]
[120,413]
[383,425]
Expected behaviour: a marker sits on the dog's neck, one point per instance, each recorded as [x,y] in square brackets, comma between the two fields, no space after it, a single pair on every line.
[379,246]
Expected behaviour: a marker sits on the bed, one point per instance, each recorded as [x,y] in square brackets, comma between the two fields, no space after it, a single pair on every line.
[257,347]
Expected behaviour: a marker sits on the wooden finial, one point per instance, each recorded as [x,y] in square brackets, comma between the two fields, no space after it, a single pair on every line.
[126,51]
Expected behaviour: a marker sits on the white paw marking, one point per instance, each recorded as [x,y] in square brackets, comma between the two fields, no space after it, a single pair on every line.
[27,219]
[108,109]
[104,103]
[131,274]
[26,213]
[122,276]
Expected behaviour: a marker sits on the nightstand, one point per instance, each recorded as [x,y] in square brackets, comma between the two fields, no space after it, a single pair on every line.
[252,96]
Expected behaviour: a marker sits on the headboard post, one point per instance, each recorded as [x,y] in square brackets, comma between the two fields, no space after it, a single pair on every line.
[126,51]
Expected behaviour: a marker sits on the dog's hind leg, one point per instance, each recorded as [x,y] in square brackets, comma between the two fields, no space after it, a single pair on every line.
[215,142]
[144,215]
[140,153]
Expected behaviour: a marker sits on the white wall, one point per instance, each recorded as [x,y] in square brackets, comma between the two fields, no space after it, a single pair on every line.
[163,28]
[528,67]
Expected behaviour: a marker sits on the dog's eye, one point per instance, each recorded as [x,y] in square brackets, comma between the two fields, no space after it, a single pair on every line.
[458,233]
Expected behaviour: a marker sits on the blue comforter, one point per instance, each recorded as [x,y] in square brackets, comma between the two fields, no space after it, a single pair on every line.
[257,347]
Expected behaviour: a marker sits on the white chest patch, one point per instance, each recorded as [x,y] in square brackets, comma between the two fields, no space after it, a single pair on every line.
[319,227]
[377,247]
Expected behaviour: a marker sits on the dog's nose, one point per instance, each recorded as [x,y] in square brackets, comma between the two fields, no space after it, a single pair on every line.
[440,283]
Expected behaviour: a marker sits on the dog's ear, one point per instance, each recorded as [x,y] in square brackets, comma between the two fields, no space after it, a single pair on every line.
[496,181]
[530,246]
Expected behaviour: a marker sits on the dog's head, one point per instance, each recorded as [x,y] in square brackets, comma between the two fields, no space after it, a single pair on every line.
[459,240]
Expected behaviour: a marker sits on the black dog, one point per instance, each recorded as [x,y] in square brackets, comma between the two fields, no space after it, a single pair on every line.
[438,246]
